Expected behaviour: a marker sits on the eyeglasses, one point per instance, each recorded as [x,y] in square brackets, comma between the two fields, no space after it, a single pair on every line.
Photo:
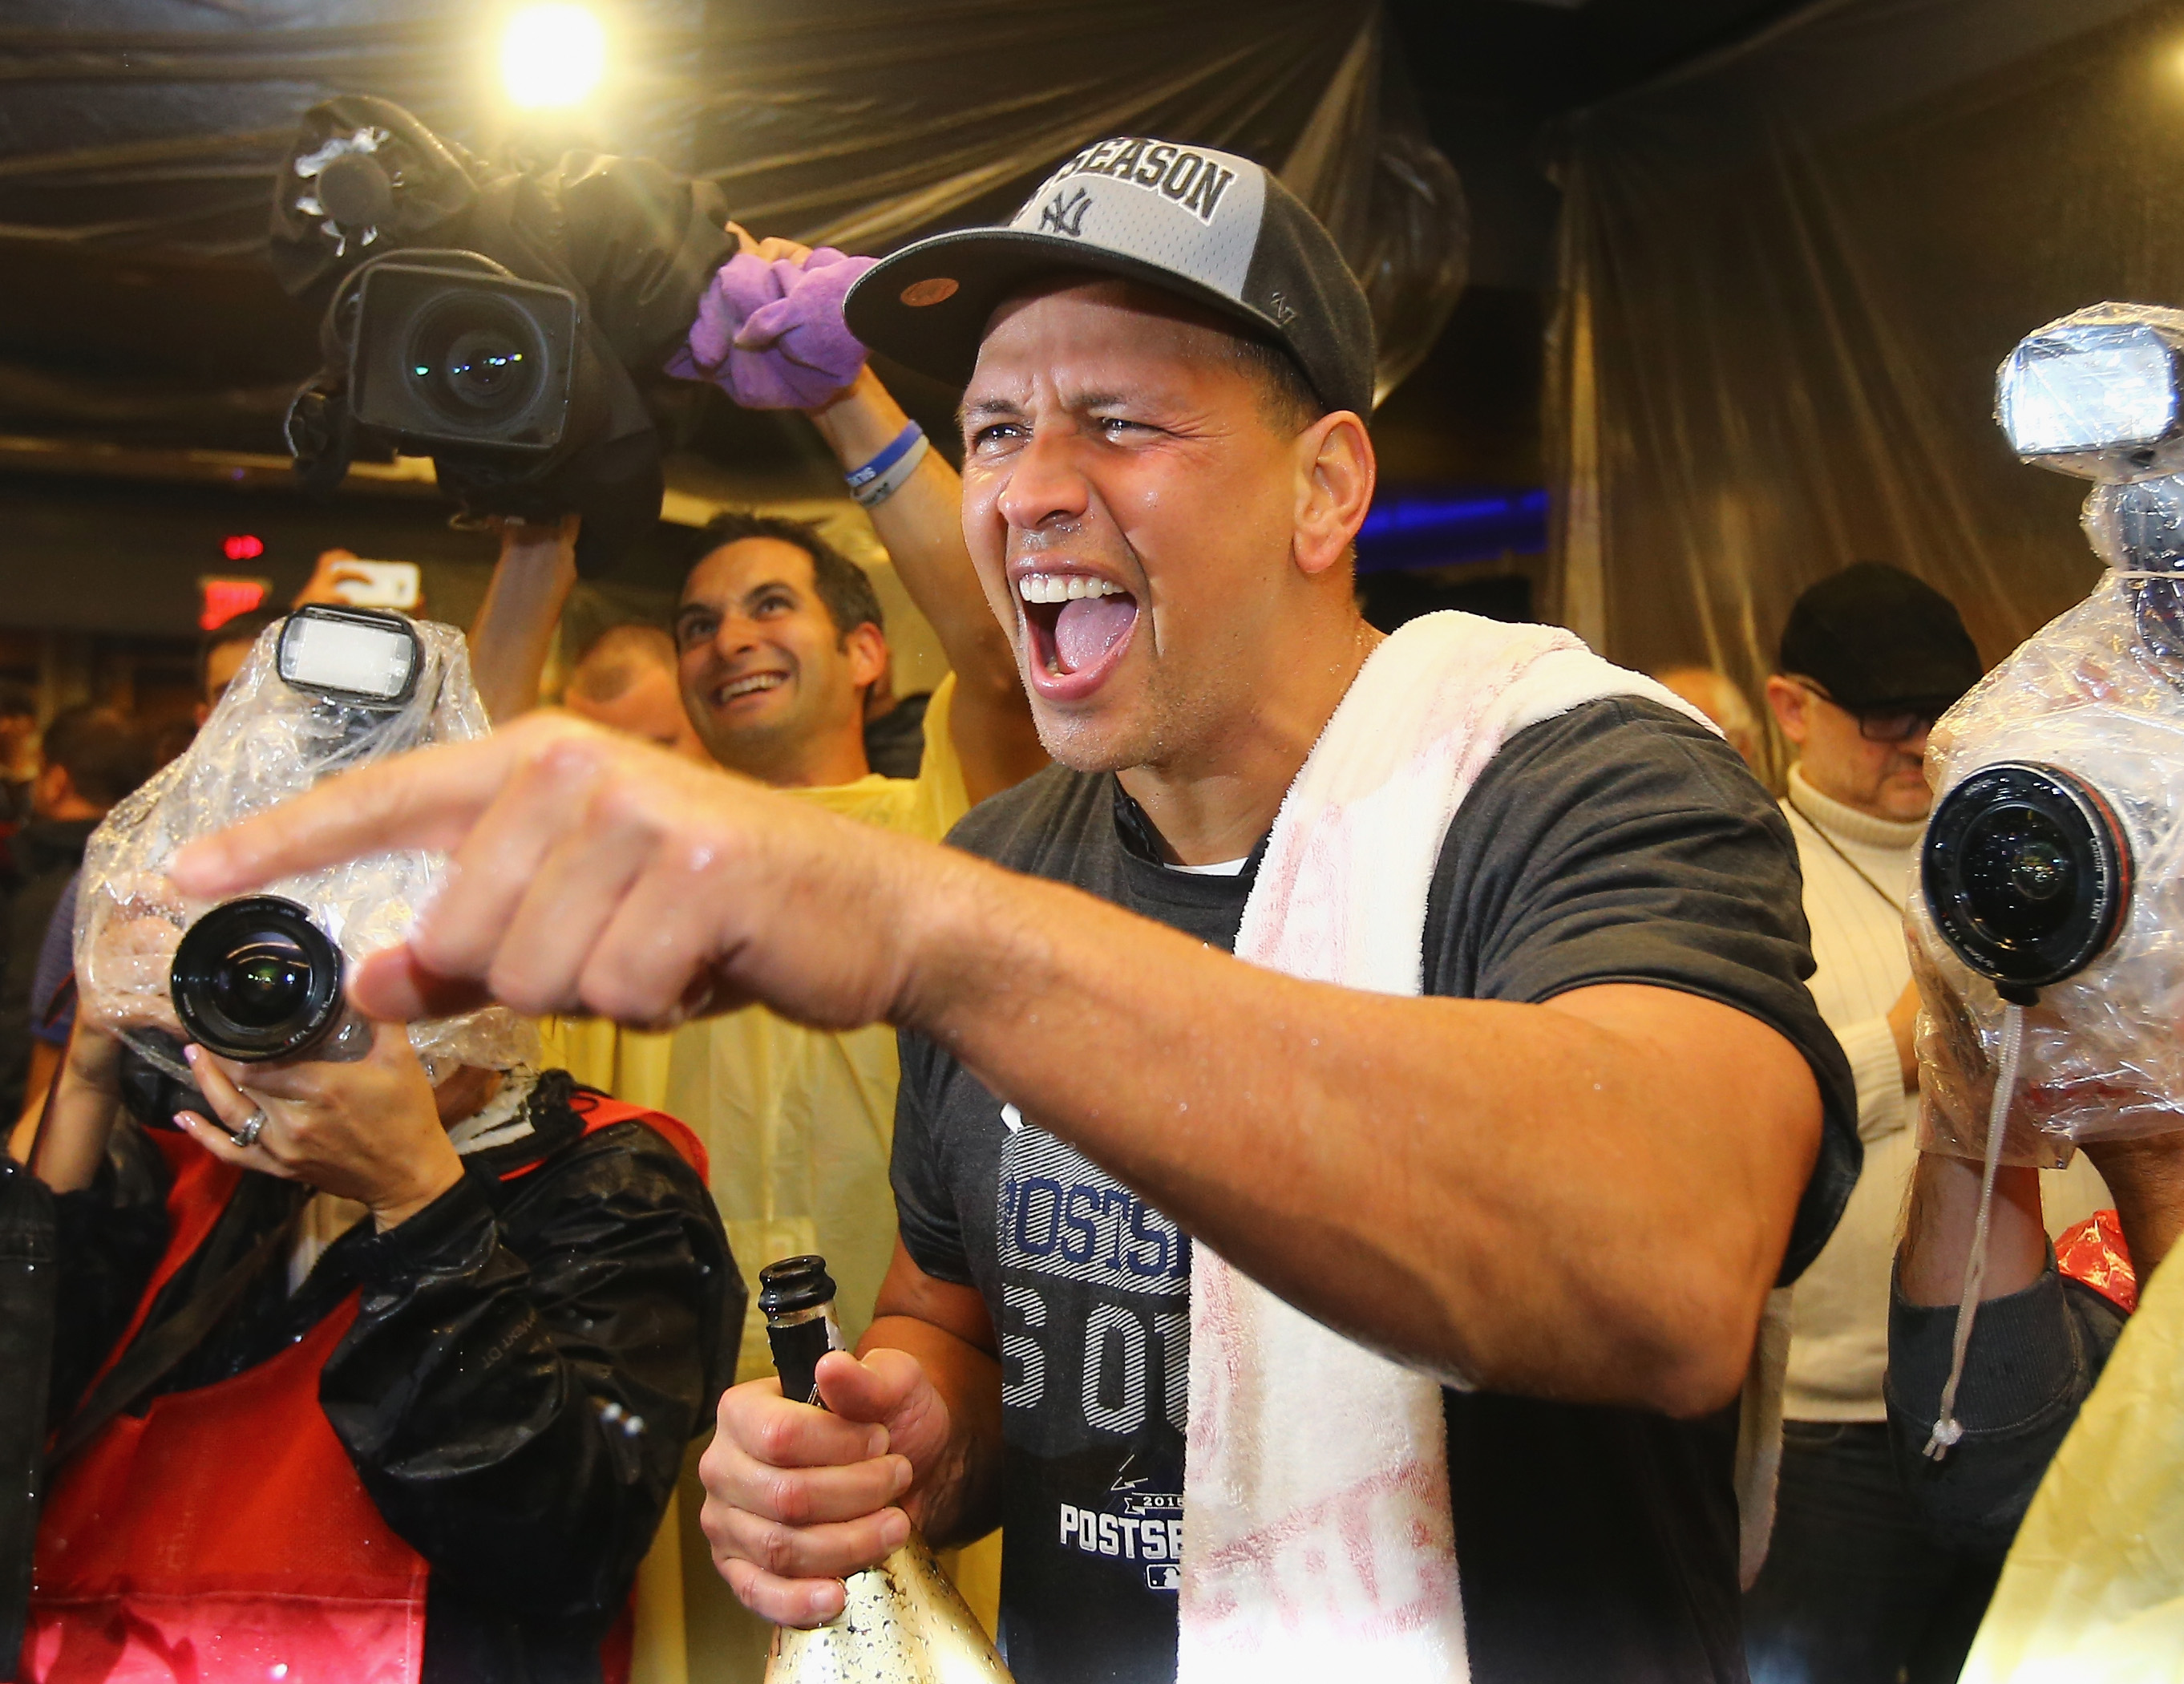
[1896,726]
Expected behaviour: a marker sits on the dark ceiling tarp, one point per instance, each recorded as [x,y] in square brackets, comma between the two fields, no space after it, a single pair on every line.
[1787,277]
[139,139]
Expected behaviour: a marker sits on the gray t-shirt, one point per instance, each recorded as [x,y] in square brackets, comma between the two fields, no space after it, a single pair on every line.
[1619,842]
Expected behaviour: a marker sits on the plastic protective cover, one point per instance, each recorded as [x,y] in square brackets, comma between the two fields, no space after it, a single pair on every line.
[2097,692]
[265,742]
[2102,1055]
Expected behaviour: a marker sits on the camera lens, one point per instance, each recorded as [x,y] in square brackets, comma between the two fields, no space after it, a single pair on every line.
[484,366]
[255,979]
[2028,874]
[263,983]
[475,359]
[2017,872]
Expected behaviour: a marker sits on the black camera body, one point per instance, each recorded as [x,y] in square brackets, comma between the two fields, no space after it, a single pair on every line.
[442,358]
[257,978]
[508,322]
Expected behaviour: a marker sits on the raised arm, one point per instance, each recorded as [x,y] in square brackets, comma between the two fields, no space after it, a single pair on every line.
[1937,1235]
[514,630]
[2036,1351]
[921,526]
[473,1386]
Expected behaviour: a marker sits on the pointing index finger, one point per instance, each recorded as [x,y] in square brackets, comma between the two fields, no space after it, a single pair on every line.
[429,799]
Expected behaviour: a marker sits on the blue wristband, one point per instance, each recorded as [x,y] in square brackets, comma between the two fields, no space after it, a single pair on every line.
[894,453]
[888,472]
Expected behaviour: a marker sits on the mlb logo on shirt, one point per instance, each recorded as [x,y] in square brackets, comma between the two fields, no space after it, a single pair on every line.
[1164,1576]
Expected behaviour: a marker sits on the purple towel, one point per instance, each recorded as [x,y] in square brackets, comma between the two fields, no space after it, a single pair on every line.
[771,335]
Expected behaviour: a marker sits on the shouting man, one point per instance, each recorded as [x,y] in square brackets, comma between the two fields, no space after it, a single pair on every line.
[1439,1231]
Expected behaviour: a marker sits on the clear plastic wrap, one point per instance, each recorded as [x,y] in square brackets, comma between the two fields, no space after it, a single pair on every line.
[2099,693]
[265,742]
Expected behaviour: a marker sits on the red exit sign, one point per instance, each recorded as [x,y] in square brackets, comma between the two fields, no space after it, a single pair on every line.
[222,599]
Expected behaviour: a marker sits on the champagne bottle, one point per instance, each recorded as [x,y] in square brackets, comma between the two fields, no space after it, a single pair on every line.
[902,1622]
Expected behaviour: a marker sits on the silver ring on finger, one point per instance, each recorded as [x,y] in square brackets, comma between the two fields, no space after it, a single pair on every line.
[253,1126]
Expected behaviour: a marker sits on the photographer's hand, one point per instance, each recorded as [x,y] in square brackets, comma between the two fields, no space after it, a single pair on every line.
[366,1129]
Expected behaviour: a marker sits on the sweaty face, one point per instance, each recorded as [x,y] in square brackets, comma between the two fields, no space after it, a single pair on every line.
[651,707]
[1129,507]
[763,669]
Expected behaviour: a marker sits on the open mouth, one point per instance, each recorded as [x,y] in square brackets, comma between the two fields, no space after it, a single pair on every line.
[1079,627]
[751,684]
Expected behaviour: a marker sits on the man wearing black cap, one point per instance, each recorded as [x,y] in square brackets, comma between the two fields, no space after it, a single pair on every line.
[1854,1588]
[1520,1099]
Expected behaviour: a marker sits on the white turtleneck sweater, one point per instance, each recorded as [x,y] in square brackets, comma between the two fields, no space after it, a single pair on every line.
[1854,897]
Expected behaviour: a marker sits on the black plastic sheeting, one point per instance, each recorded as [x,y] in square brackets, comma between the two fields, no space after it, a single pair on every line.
[139,141]
[1788,276]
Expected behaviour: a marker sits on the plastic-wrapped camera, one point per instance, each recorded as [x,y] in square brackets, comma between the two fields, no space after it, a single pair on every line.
[259,978]
[2027,871]
[2052,873]
[255,979]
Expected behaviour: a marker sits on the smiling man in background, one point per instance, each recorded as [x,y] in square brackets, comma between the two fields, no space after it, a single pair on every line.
[779,640]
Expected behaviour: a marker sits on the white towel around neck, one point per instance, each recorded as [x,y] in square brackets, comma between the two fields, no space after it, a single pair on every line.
[1318,1542]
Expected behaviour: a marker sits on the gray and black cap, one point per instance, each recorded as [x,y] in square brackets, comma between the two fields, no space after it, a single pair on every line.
[1205,225]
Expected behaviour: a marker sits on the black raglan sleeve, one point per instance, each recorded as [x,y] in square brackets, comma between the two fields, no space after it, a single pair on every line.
[108,1240]
[1622,842]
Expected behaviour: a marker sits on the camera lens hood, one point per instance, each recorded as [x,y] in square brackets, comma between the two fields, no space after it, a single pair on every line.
[255,979]
[2028,874]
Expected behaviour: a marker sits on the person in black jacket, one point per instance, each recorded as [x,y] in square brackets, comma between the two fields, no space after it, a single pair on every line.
[354,1370]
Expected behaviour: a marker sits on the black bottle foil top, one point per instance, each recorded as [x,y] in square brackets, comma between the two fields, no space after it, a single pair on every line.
[794,1284]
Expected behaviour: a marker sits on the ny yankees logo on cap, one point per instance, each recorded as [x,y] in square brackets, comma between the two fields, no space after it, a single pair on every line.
[1206,224]
[1065,215]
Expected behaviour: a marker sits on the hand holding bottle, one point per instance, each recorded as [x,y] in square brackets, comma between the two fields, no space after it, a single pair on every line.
[798,1497]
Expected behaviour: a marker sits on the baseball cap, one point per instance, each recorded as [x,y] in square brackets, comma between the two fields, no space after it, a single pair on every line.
[1205,225]
[1877,637]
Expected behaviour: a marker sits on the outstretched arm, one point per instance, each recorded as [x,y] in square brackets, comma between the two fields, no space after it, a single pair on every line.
[1386,1165]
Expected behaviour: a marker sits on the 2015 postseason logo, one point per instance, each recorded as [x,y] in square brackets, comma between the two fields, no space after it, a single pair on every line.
[1191,179]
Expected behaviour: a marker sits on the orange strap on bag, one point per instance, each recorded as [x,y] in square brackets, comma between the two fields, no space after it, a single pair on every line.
[2093,1252]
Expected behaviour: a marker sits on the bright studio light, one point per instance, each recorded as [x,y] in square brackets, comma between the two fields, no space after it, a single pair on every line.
[552,55]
